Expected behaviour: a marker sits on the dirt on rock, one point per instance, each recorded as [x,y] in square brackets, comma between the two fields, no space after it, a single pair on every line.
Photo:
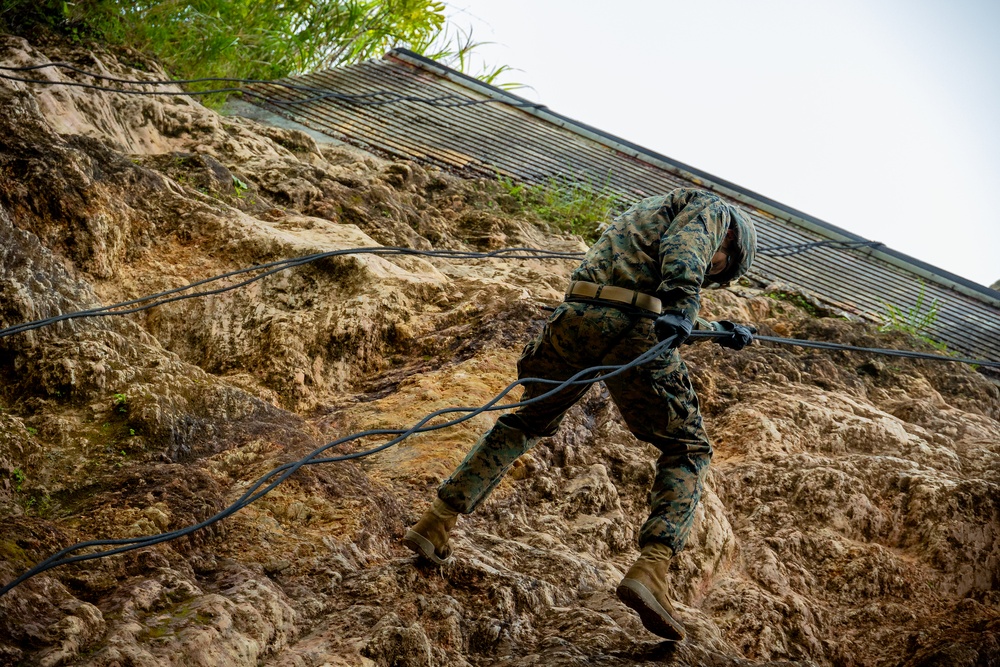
[851,516]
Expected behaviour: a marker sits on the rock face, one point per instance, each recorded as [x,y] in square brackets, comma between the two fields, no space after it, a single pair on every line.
[851,516]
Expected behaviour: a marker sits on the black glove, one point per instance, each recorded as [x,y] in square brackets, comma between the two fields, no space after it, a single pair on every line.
[672,324]
[739,336]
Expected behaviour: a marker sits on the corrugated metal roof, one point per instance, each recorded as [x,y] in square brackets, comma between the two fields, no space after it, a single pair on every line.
[527,142]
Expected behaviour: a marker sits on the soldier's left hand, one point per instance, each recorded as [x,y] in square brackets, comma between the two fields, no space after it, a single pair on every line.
[739,336]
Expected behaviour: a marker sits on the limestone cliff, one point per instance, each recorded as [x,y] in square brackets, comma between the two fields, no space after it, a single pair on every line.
[852,513]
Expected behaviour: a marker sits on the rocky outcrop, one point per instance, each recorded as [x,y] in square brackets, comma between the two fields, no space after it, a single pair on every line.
[851,515]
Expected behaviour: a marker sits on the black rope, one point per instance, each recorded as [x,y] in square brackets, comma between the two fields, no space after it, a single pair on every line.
[283,472]
[823,345]
[267,269]
[376,98]
[270,268]
[276,476]
[796,248]
[172,295]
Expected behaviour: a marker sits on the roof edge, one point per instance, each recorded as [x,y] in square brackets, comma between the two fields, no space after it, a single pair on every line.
[705,180]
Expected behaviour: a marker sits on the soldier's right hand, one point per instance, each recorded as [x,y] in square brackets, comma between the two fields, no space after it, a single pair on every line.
[674,324]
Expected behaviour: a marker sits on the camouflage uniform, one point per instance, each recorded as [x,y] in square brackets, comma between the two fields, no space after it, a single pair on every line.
[661,246]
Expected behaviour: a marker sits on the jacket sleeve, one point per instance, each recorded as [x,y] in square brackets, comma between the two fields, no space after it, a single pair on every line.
[699,221]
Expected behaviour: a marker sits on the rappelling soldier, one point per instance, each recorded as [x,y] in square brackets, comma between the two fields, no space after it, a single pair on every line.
[639,283]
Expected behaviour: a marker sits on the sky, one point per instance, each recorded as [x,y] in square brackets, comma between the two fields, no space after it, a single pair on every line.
[881,117]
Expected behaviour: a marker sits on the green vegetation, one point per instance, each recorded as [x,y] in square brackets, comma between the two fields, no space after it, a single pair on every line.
[796,300]
[12,553]
[175,619]
[117,437]
[576,206]
[239,186]
[914,320]
[250,39]
[18,476]
[42,505]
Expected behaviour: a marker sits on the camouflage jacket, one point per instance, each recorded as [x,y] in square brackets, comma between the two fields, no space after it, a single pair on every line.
[663,246]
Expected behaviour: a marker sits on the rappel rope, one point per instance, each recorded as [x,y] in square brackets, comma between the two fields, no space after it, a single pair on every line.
[376,98]
[278,475]
[273,478]
[270,268]
[281,473]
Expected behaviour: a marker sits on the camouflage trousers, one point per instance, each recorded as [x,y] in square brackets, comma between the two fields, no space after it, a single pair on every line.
[655,399]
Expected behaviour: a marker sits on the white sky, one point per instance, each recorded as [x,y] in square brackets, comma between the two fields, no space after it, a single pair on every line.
[881,117]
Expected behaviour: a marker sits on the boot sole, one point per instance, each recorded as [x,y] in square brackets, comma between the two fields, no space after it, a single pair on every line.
[654,617]
[423,547]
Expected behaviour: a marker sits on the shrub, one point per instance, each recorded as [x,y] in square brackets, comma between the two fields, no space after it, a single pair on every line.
[249,39]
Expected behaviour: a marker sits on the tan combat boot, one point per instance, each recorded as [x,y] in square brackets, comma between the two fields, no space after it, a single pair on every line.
[429,536]
[646,591]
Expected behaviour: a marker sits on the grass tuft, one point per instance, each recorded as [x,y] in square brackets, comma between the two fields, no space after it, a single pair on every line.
[575,206]
[914,320]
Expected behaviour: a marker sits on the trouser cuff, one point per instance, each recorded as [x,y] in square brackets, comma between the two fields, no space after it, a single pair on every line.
[657,552]
[443,510]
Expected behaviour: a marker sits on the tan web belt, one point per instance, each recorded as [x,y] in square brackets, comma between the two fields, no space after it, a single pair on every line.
[583,289]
